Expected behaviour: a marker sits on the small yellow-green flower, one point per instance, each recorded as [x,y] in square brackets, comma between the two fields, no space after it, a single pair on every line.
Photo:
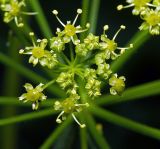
[70,30]
[151,21]
[109,46]
[91,41]
[33,95]
[39,54]
[140,6]
[117,84]
[12,11]
[104,70]
[69,106]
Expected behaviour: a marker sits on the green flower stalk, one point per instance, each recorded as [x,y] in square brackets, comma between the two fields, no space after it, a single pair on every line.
[13,11]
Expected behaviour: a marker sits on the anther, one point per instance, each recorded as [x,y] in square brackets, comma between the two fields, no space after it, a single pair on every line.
[106,27]
[55,12]
[123,27]
[119,7]
[31,34]
[79,11]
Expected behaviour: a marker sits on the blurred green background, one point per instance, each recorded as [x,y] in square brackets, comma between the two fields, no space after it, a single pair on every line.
[142,67]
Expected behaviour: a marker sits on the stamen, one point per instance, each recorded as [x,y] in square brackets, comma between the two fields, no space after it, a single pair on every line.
[120,7]
[32,35]
[81,125]
[21,51]
[79,11]
[58,120]
[55,12]
[17,23]
[88,25]
[124,48]
[121,27]
[85,104]
[29,13]
[105,28]
[151,5]
[83,30]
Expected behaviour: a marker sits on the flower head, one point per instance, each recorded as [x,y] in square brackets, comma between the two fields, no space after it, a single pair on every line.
[140,6]
[39,54]
[70,30]
[109,46]
[151,22]
[117,84]
[33,95]
[69,106]
[12,11]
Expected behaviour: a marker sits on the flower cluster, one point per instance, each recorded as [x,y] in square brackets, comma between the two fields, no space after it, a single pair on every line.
[149,12]
[13,10]
[89,60]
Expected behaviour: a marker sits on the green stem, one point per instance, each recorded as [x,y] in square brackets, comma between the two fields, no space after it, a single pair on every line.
[29,74]
[99,138]
[84,17]
[41,19]
[11,86]
[7,101]
[91,124]
[127,123]
[133,93]
[93,16]
[56,133]
[49,83]
[138,40]
[71,52]
[83,134]
[26,117]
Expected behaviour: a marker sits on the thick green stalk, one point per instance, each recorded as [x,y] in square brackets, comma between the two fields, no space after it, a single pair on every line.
[138,40]
[7,101]
[84,17]
[99,138]
[27,117]
[93,15]
[11,86]
[125,122]
[83,134]
[41,19]
[133,93]
[55,134]
[29,74]
[91,124]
